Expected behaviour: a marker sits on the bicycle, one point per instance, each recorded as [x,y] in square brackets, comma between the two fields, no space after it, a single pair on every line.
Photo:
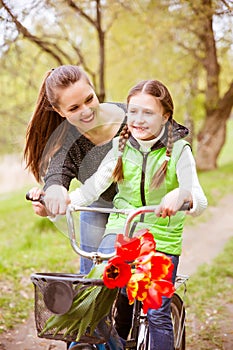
[60,288]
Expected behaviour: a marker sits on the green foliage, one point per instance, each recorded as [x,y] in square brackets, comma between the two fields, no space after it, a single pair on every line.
[20,82]
[138,46]
[28,244]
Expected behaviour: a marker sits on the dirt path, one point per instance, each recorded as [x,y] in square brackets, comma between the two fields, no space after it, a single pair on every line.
[12,167]
[206,240]
[201,244]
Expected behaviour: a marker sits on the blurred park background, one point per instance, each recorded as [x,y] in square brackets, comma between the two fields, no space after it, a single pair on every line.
[188,45]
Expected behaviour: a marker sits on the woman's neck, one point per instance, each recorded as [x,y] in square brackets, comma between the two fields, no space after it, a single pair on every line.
[110,118]
[98,135]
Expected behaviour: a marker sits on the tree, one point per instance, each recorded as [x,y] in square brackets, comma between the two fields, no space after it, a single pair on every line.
[199,19]
[187,44]
[62,48]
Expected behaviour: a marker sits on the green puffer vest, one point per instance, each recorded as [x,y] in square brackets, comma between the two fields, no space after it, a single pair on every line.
[135,192]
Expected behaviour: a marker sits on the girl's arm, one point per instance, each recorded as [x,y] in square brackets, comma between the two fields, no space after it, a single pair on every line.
[189,189]
[188,181]
[94,186]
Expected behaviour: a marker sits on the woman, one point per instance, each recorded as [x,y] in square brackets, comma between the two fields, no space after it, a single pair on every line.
[68,136]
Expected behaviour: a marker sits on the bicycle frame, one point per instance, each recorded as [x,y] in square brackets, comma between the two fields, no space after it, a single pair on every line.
[97,257]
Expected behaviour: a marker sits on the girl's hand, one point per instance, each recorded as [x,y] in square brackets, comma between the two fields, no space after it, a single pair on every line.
[172,202]
[56,200]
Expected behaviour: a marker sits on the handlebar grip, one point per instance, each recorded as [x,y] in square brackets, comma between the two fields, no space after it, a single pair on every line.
[40,199]
[28,198]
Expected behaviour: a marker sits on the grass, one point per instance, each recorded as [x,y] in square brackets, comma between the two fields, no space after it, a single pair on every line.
[209,294]
[28,244]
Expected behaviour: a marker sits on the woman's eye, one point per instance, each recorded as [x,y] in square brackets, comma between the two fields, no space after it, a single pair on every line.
[74,109]
[90,99]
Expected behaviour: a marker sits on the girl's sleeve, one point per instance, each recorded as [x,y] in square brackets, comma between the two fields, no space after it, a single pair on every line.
[95,185]
[188,180]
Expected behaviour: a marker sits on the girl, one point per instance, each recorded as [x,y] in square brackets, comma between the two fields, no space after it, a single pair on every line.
[153,165]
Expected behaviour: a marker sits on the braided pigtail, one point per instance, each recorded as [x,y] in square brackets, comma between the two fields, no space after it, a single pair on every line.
[118,175]
[160,174]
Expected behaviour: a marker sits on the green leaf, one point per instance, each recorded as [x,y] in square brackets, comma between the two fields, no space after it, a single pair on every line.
[103,305]
[86,320]
[97,271]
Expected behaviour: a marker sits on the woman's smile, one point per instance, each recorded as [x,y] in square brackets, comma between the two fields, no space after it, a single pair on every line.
[87,118]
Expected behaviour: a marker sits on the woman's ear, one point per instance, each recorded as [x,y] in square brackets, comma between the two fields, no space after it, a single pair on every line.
[56,110]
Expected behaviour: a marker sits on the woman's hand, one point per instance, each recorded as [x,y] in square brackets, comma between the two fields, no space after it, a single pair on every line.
[56,200]
[38,207]
[172,202]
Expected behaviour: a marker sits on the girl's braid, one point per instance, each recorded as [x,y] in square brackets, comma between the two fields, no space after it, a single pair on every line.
[169,138]
[160,174]
[117,174]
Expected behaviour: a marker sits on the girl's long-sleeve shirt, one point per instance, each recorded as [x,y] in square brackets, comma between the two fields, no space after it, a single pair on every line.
[102,179]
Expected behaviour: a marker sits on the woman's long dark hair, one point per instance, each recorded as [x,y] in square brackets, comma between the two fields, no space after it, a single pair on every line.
[47,129]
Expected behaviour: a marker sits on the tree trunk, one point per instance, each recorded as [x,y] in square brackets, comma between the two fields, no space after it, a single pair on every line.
[210,143]
[212,136]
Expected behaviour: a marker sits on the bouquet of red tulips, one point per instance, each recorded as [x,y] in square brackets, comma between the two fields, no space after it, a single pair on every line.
[145,272]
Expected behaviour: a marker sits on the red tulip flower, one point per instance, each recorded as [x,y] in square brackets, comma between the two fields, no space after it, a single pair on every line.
[156,290]
[116,273]
[147,242]
[127,248]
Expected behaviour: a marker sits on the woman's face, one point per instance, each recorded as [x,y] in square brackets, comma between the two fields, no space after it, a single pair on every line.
[145,116]
[78,103]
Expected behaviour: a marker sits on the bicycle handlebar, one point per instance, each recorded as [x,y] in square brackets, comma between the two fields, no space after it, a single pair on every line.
[130,213]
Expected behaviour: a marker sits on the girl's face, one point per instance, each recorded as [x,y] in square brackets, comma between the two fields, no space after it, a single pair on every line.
[145,116]
[78,103]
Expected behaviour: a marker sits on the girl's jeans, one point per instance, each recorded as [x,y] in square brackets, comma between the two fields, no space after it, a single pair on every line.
[160,323]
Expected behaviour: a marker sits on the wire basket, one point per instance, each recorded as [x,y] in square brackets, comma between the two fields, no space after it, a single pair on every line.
[54,295]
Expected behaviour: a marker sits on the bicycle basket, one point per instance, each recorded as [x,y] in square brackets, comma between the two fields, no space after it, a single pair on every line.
[55,297]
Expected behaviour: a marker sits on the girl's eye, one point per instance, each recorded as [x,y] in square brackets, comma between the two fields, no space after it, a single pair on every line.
[132,111]
[148,113]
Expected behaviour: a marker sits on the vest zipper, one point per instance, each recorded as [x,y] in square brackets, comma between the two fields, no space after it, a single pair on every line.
[142,191]
[142,184]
